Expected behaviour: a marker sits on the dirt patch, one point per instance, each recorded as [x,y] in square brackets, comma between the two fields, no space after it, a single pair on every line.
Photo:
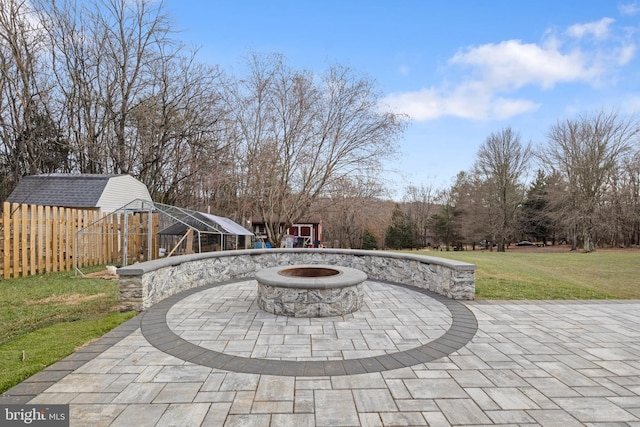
[108,273]
[86,344]
[70,299]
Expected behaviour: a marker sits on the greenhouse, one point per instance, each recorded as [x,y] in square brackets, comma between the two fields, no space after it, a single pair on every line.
[143,230]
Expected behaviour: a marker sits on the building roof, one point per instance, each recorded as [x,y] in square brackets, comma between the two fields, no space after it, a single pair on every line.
[230,226]
[82,191]
[305,220]
[78,190]
[206,223]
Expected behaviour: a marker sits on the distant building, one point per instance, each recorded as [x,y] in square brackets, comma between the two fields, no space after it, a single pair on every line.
[304,233]
[106,193]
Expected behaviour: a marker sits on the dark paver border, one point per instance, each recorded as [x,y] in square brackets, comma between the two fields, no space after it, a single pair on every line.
[155,329]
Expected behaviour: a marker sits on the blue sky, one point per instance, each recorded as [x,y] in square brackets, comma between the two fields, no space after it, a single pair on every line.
[459,69]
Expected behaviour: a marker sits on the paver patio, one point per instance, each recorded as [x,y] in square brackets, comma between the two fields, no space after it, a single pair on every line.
[211,357]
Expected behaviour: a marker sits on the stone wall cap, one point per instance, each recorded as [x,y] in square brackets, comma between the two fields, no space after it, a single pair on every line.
[149,266]
[347,277]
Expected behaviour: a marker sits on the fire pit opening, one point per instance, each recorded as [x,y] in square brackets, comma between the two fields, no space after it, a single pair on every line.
[308,272]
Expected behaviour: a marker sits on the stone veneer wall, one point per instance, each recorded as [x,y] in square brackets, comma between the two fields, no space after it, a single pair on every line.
[145,284]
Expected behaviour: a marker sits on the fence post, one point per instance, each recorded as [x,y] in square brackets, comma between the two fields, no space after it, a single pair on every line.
[54,238]
[67,239]
[33,231]
[40,239]
[6,221]
[16,239]
[47,239]
[24,262]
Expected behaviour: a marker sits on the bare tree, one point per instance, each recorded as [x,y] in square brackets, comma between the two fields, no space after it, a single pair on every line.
[587,152]
[630,200]
[176,129]
[104,54]
[134,34]
[350,208]
[445,223]
[501,163]
[300,133]
[76,63]
[474,223]
[30,140]
[420,201]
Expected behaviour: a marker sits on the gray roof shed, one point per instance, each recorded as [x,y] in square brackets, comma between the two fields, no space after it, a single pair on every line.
[105,192]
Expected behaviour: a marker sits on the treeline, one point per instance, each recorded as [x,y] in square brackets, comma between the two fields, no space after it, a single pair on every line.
[104,86]
[580,187]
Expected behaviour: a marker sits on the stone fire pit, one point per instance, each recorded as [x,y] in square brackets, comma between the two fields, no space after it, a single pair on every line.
[310,290]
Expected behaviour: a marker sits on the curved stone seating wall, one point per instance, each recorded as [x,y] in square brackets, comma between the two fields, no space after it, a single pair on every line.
[145,284]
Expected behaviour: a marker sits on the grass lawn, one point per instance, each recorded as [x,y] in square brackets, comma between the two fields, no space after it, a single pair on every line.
[546,274]
[45,318]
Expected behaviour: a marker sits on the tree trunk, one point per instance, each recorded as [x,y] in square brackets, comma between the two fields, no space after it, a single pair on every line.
[588,245]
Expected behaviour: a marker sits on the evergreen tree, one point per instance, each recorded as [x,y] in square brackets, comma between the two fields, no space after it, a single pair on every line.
[444,225]
[369,241]
[399,234]
[535,221]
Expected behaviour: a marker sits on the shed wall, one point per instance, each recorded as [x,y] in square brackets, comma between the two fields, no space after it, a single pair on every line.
[120,191]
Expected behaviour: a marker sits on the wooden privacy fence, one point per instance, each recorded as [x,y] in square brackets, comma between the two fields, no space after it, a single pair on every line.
[44,239]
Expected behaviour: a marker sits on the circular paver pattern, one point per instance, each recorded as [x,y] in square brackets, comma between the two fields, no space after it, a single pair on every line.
[225,319]
[221,326]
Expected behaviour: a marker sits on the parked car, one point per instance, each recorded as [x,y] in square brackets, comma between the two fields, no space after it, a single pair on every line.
[525,243]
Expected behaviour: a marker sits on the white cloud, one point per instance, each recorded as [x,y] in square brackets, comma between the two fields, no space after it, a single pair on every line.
[626,54]
[629,8]
[513,64]
[494,72]
[466,102]
[503,108]
[598,29]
